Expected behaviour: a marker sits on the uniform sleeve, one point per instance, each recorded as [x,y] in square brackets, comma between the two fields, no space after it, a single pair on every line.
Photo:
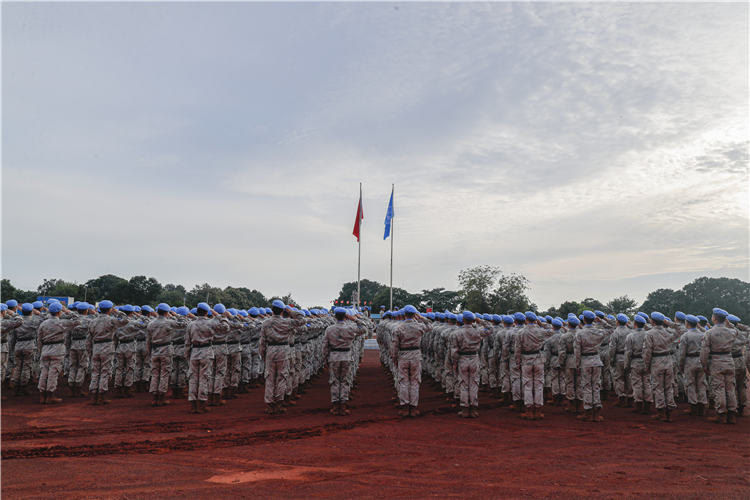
[613,349]
[577,349]
[682,352]
[628,350]
[705,351]
[517,349]
[562,351]
[648,347]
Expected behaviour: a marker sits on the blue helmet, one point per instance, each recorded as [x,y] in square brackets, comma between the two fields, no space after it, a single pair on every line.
[338,310]
[519,317]
[243,313]
[194,310]
[589,315]
[431,315]
[268,309]
[573,321]
[557,323]
[531,316]
[702,318]
[508,320]
[733,319]
[599,313]
[127,308]
[82,306]
[253,311]
[3,307]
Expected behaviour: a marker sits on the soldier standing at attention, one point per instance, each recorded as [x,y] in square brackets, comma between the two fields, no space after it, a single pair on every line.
[51,348]
[617,361]
[159,334]
[634,368]
[337,349]
[23,342]
[276,335]
[125,349]
[78,355]
[407,356]
[657,359]
[688,360]
[529,361]
[717,362]
[465,353]
[100,344]
[9,323]
[586,351]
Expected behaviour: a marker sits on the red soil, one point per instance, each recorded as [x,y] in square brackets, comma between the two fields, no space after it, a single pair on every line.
[130,450]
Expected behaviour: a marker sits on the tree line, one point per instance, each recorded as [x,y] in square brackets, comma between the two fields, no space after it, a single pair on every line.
[483,289]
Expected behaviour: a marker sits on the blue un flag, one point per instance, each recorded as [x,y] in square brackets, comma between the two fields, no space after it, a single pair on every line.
[388,218]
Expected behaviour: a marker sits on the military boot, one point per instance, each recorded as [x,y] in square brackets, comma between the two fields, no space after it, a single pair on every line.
[701,409]
[403,410]
[646,408]
[668,414]
[155,399]
[731,417]
[538,413]
[717,419]
[203,407]
[638,407]
[345,409]
[163,399]
[103,400]
[194,407]
[43,397]
[628,402]
[126,392]
[52,398]
[94,398]
[271,409]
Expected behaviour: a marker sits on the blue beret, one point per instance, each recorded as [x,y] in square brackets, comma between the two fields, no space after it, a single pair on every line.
[622,318]
[253,311]
[508,320]
[91,306]
[163,307]
[531,316]
[243,313]
[55,307]
[431,315]
[128,308]
[589,315]
[639,319]
[641,313]
[137,309]
[542,319]
[74,305]
[202,306]
[148,309]
[105,304]
[182,311]
[557,323]
[26,307]
[657,316]
[702,318]
[680,315]
[338,310]
[219,308]
[580,317]
[194,310]
[573,321]
[519,316]
[38,304]
[691,319]
[468,316]
[410,309]
[268,309]
[610,316]
[232,311]
[733,319]
[12,303]
[599,313]
[279,304]
[720,313]
[496,318]
[549,318]
[82,306]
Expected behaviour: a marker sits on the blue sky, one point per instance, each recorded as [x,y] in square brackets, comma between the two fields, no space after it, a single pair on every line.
[599,149]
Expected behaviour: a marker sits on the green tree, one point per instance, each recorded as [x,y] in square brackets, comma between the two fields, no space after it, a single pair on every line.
[592,304]
[568,307]
[623,304]
[664,300]
[703,294]
[107,286]
[476,283]
[439,299]
[401,298]
[368,290]
[7,290]
[510,295]
[143,290]
[172,294]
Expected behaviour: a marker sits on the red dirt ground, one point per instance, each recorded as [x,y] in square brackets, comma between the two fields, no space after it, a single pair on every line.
[130,450]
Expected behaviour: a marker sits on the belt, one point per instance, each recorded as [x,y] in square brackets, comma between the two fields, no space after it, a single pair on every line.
[467,353]
[660,354]
[103,341]
[589,354]
[554,353]
[219,343]
[278,343]
[408,348]
[736,354]
[197,344]
[693,354]
[619,352]
[53,343]
[720,353]
[511,351]
[635,356]
[127,341]
[77,338]
[160,344]
[529,353]
[178,342]
[339,350]
[233,343]
[569,351]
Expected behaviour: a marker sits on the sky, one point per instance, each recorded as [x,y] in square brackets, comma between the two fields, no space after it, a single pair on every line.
[598,149]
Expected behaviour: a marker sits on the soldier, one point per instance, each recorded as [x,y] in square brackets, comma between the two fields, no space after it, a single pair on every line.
[159,333]
[99,344]
[234,354]
[571,376]
[9,323]
[125,352]
[464,350]
[717,362]
[635,370]
[740,374]
[219,365]
[551,355]
[529,361]
[198,339]
[179,376]
[689,364]
[51,349]
[657,359]
[24,347]
[512,369]
[617,362]
[586,351]
[142,371]
[78,355]
[337,349]
[277,333]
[407,356]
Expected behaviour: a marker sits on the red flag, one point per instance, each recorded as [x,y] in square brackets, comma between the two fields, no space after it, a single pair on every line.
[360,216]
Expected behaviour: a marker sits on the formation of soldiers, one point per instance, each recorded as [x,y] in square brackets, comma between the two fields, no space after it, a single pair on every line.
[526,360]
[209,354]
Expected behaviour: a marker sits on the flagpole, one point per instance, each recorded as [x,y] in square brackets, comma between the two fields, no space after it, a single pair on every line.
[391,307]
[359,250]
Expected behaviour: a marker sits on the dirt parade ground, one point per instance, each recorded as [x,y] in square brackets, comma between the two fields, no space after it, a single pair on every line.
[130,450]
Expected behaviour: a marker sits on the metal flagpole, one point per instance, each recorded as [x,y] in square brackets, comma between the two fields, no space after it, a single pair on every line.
[359,246]
[392,217]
